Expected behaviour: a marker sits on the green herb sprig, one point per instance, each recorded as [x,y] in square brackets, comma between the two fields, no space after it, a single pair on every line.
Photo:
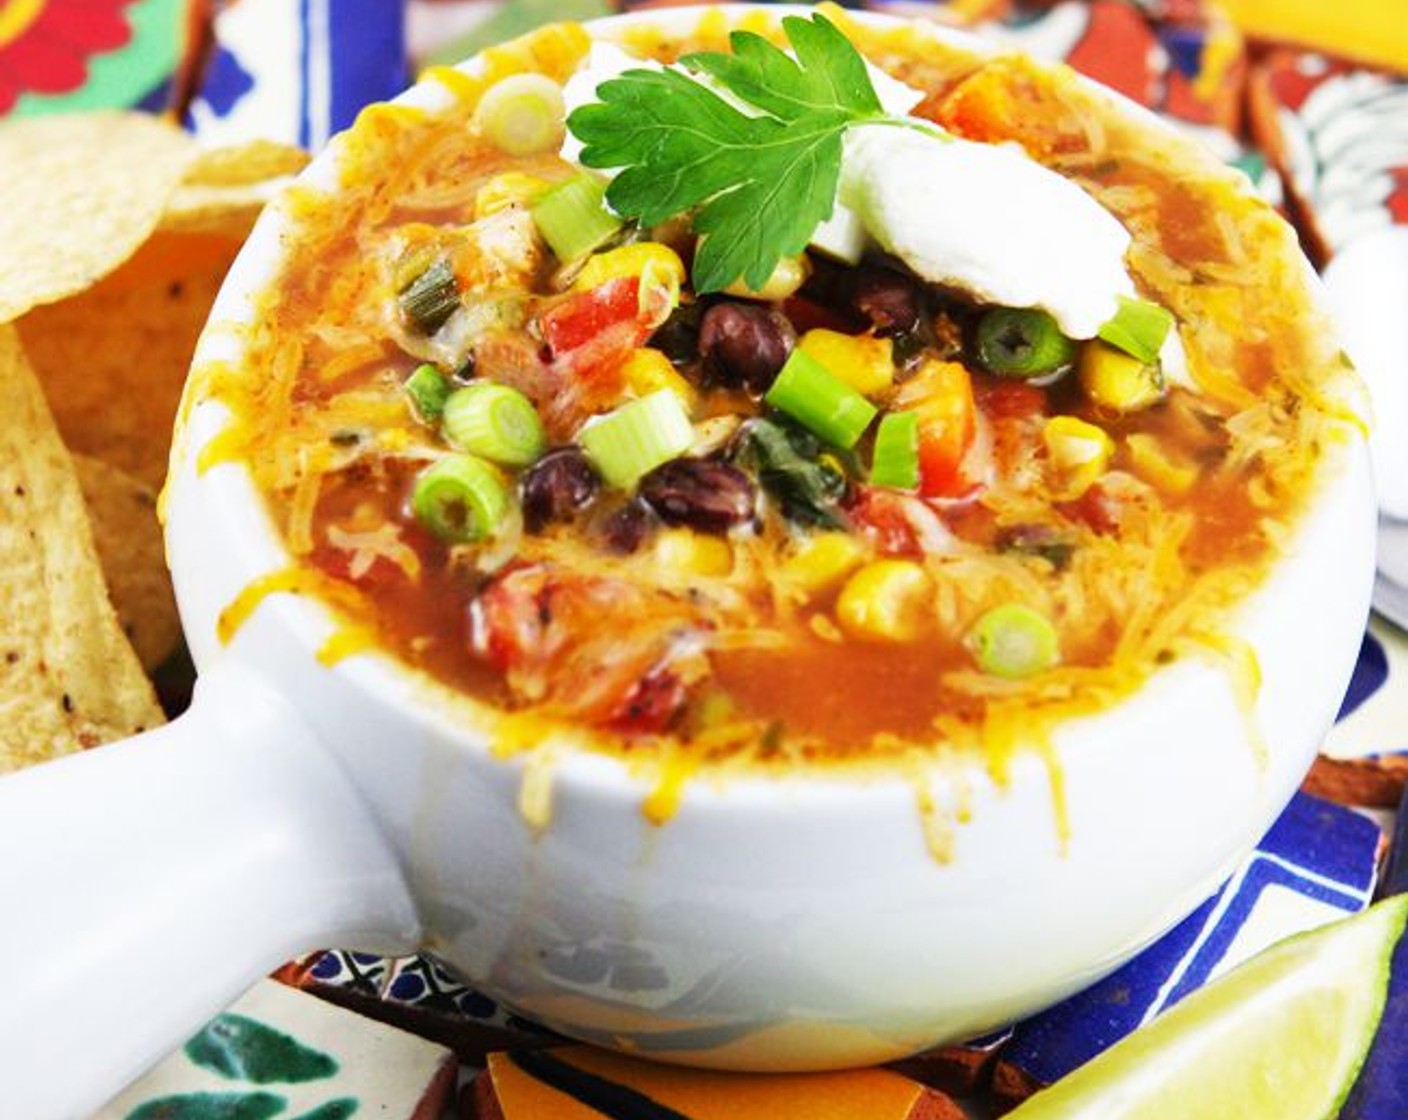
[759,184]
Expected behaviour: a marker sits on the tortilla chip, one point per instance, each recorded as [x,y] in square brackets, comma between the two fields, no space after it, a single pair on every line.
[225,188]
[79,194]
[113,359]
[122,513]
[227,210]
[246,164]
[68,677]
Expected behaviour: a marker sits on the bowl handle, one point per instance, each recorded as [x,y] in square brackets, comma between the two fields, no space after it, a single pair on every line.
[146,884]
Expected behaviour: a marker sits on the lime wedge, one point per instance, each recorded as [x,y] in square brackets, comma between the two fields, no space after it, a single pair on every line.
[1281,1037]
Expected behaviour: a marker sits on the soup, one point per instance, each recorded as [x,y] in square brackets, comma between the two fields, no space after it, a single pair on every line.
[931,479]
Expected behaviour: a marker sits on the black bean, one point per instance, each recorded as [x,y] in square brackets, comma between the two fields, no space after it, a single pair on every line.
[557,486]
[626,529]
[890,301]
[678,336]
[704,494]
[745,343]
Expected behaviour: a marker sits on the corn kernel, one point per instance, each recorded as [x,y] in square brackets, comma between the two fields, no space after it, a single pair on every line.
[821,563]
[1154,465]
[512,188]
[862,361]
[685,552]
[1116,380]
[645,371]
[886,601]
[1078,452]
[649,260]
[789,275]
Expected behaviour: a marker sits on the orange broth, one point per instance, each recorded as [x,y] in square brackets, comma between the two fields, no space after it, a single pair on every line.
[1131,574]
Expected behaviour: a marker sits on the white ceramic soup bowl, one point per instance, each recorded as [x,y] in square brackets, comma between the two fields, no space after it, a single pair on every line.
[775,922]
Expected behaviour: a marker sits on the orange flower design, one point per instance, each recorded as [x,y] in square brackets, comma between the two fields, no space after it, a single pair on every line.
[45,45]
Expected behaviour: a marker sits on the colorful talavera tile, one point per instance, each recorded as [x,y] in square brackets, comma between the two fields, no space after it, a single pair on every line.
[65,55]
[1318,862]
[1188,65]
[417,994]
[297,71]
[1381,1090]
[278,1054]
[1339,135]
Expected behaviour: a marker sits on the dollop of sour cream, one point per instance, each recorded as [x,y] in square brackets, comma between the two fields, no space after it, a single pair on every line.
[989,220]
[985,219]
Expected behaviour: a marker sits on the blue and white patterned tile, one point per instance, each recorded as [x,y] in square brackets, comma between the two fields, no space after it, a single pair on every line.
[424,983]
[418,994]
[363,973]
[1317,863]
[297,71]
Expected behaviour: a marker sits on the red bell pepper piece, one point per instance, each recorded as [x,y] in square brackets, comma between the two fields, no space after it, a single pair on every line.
[942,394]
[582,317]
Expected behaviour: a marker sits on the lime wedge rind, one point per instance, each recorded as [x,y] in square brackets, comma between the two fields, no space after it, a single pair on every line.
[1281,1037]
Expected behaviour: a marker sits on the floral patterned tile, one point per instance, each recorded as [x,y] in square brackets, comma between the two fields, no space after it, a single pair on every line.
[279,1054]
[67,55]
[1338,132]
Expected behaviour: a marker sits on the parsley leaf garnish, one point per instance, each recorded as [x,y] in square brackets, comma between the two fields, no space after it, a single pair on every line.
[759,184]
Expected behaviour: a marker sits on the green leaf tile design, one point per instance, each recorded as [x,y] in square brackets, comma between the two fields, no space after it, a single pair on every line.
[211,1106]
[247,1050]
[339,1109]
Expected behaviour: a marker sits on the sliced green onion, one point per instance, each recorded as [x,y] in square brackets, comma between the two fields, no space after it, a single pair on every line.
[428,390]
[819,401]
[638,437]
[431,298]
[1139,328]
[1022,342]
[1014,641]
[896,459]
[460,499]
[496,422]
[573,218]
[522,114]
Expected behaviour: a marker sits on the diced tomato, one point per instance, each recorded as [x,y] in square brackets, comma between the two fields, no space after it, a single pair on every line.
[806,314]
[590,334]
[543,627]
[652,705]
[897,524]
[582,317]
[1107,503]
[337,563]
[876,513]
[1012,400]
[942,394]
